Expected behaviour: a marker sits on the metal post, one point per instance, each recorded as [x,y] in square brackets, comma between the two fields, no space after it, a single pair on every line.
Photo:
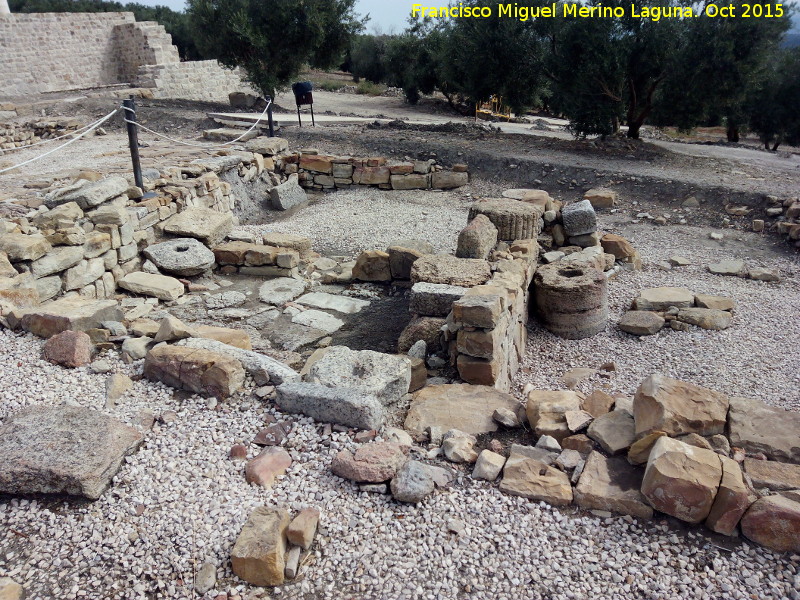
[299,121]
[133,140]
[313,124]
[269,117]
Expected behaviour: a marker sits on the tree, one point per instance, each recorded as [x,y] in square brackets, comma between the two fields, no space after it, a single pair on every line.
[772,103]
[499,56]
[716,65]
[273,41]
[368,57]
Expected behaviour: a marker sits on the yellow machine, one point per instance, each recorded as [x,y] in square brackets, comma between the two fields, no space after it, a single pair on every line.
[491,110]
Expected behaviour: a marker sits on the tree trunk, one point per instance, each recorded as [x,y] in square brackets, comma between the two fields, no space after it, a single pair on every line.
[733,133]
[615,124]
[777,143]
[633,130]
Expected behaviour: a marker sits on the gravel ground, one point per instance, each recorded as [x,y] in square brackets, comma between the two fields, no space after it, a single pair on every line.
[754,358]
[346,222]
[466,541]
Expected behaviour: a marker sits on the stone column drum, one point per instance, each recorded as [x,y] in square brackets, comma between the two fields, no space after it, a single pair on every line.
[571,300]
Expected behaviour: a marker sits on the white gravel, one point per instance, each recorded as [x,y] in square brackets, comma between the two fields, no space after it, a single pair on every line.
[349,221]
[195,499]
[756,357]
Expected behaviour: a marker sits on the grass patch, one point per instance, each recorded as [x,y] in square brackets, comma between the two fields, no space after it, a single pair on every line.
[368,88]
[329,85]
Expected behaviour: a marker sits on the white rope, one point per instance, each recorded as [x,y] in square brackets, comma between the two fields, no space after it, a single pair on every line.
[205,146]
[47,141]
[75,139]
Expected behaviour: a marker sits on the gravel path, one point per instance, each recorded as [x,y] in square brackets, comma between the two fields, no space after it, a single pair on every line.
[754,358]
[180,501]
[467,541]
[346,222]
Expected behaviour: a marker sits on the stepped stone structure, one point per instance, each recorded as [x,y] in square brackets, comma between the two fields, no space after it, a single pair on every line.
[54,52]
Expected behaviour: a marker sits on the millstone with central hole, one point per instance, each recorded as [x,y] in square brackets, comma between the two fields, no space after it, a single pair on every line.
[182,256]
[571,300]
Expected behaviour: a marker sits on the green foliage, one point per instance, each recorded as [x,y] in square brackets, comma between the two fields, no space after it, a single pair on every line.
[718,61]
[368,57]
[367,88]
[772,104]
[273,41]
[176,23]
[492,56]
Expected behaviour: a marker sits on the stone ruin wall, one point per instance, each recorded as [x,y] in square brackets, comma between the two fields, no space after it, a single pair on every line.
[53,52]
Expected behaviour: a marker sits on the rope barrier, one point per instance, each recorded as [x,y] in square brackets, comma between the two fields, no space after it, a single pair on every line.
[205,146]
[73,140]
[47,141]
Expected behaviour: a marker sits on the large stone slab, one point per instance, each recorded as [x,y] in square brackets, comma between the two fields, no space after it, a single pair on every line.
[268,146]
[612,484]
[195,370]
[533,479]
[434,299]
[682,480]
[676,407]
[442,268]
[757,427]
[350,407]
[58,259]
[280,290]
[774,522]
[614,431]
[285,335]
[150,284]
[386,376]
[342,304]
[706,318]
[264,369]
[732,501]
[259,555]
[468,408]
[19,246]
[287,195]
[662,298]
[183,256]
[75,313]
[95,193]
[318,319]
[62,450]
[772,475]
[204,224]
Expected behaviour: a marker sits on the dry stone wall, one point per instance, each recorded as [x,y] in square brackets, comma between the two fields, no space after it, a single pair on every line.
[49,52]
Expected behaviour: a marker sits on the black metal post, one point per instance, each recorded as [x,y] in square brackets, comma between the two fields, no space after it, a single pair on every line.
[299,122]
[133,140]
[313,124]
[269,117]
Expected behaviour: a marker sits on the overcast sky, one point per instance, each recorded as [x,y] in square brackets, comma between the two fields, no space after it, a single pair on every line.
[387,16]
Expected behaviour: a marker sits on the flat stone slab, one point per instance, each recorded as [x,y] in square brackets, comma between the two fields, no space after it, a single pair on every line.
[280,290]
[344,406]
[149,284]
[612,484]
[264,369]
[387,376]
[318,320]
[434,299]
[75,313]
[662,298]
[729,267]
[342,304]
[442,268]
[286,335]
[757,427]
[62,450]
[468,408]
[205,224]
